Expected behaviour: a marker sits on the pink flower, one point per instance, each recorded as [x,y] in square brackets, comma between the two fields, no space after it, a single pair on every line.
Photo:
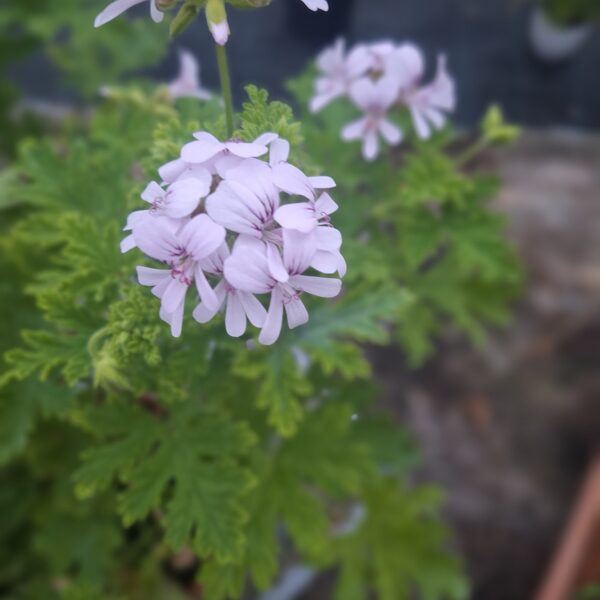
[246,201]
[240,307]
[306,216]
[175,203]
[338,72]
[317,4]
[180,199]
[248,270]
[313,219]
[187,84]
[182,252]
[429,104]
[374,98]
[118,7]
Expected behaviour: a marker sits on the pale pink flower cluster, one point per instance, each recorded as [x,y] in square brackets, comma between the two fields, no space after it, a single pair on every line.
[234,221]
[377,78]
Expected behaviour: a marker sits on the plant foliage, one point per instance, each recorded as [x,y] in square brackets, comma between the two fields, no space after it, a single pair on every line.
[127,454]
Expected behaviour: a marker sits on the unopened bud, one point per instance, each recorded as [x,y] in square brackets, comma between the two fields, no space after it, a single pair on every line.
[496,130]
[216,17]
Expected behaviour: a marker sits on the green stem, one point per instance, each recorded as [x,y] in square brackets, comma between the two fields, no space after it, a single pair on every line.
[472,152]
[225,87]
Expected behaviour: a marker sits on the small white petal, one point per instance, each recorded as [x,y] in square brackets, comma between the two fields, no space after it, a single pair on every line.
[255,311]
[235,316]
[296,313]
[322,183]
[202,313]
[280,151]
[272,327]
[275,262]
[292,180]
[206,293]
[317,4]
[390,132]
[355,130]
[317,286]
[113,10]
[370,146]
[299,216]
[152,277]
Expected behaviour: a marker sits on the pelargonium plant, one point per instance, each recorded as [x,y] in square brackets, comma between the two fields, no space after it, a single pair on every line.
[179,441]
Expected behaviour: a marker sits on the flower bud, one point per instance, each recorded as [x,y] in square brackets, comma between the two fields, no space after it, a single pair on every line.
[216,17]
[496,130]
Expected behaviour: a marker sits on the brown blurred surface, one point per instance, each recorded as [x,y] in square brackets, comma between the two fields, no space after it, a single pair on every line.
[508,429]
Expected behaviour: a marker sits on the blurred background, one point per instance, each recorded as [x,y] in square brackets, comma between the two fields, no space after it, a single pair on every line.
[508,429]
[488,44]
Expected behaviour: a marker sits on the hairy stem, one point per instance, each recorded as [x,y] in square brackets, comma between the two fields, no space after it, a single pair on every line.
[225,87]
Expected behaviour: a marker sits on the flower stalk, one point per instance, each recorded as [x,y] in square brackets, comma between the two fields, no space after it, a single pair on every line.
[225,87]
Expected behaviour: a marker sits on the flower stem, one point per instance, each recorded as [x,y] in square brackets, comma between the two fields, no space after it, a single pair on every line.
[472,152]
[225,87]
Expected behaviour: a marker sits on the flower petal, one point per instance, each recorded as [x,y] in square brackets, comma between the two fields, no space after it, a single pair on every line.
[235,316]
[255,311]
[201,237]
[184,195]
[275,262]
[279,151]
[355,130]
[206,293]
[152,192]
[323,287]
[246,150]
[299,216]
[174,319]
[298,250]
[292,180]
[202,313]
[296,313]
[370,146]
[174,295]
[322,183]
[113,10]
[152,277]
[170,171]
[155,238]
[204,148]
[390,132]
[272,327]
[247,268]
